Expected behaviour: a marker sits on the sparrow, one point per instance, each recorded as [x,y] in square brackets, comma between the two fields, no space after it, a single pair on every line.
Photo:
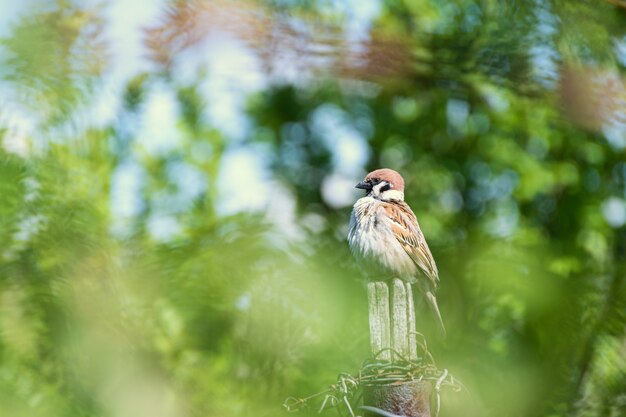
[386,239]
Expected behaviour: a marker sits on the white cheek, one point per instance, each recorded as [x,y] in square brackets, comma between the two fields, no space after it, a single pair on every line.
[376,189]
[387,195]
[393,195]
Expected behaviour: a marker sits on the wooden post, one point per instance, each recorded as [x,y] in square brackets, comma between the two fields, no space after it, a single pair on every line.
[411,399]
[392,320]
[380,327]
[392,327]
[412,327]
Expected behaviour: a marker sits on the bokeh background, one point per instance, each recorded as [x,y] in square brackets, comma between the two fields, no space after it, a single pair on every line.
[176,180]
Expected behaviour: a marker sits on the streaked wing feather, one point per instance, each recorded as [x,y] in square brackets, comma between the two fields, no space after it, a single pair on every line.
[407,231]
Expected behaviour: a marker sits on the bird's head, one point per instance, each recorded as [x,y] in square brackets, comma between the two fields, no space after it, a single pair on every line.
[384,184]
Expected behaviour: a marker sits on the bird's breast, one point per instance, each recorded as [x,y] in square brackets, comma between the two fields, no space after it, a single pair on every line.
[373,242]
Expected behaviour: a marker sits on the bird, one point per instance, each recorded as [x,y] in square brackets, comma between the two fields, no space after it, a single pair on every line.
[386,239]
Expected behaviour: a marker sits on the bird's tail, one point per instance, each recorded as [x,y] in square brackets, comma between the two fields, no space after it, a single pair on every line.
[432,303]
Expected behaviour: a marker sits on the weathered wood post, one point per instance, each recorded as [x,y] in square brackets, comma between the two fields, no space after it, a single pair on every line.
[393,338]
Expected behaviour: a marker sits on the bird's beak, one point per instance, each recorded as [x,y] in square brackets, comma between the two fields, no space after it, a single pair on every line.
[364,185]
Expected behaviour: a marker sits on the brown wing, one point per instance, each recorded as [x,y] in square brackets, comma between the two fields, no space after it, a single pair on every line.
[407,231]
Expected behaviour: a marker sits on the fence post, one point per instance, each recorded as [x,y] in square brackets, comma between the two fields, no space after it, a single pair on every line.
[392,338]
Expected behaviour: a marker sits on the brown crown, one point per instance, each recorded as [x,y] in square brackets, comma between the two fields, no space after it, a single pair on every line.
[389,175]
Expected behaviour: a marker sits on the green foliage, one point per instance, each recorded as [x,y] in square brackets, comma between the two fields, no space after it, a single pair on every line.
[166,303]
